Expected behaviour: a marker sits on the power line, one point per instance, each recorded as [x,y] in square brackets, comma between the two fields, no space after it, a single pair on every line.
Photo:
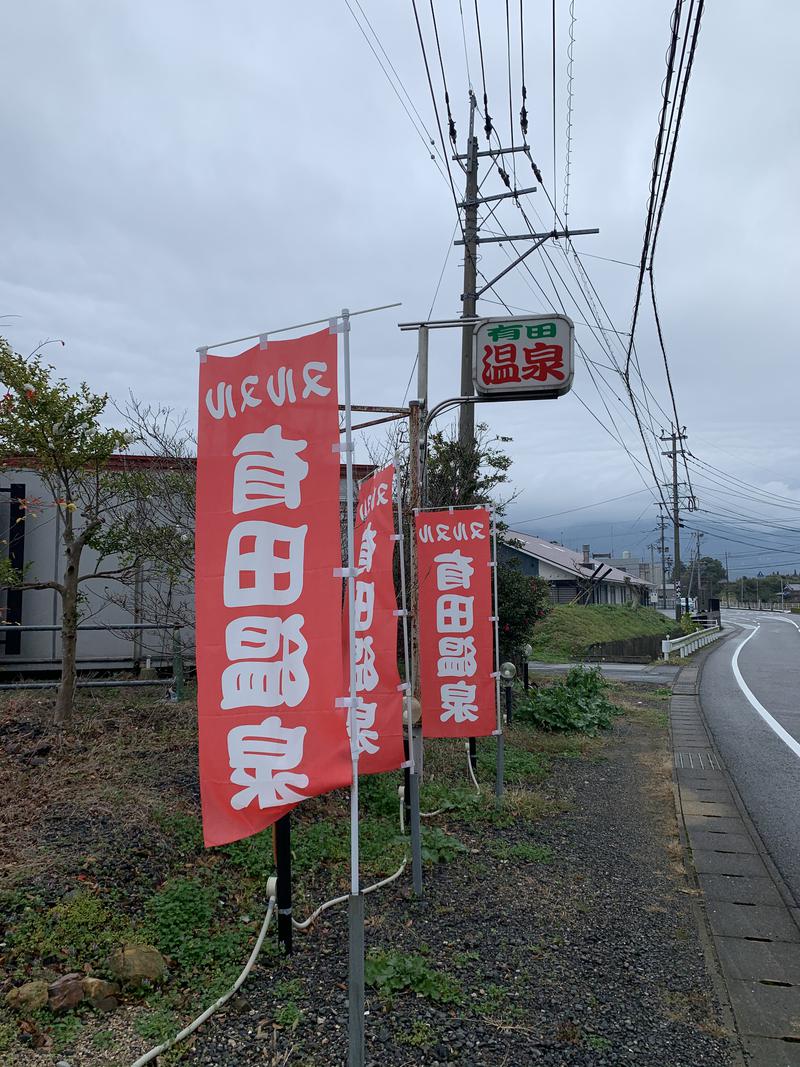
[451,126]
[487,125]
[570,81]
[430,142]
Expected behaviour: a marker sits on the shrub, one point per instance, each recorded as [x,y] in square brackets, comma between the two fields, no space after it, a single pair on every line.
[579,702]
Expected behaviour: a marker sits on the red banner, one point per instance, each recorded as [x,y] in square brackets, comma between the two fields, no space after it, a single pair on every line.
[379,714]
[269,638]
[456,632]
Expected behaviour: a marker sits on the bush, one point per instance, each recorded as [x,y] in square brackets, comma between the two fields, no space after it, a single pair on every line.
[522,601]
[579,702]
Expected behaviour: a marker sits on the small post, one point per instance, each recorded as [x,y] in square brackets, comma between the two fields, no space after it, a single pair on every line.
[283,863]
[508,673]
[498,785]
[177,662]
[527,653]
[473,755]
[509,703]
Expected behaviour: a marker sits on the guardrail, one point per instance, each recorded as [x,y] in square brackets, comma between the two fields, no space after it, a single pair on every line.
[684,646]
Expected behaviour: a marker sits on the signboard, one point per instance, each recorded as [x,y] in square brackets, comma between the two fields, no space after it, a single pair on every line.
[456,629]
[379,713]
[529,356]
[268,601]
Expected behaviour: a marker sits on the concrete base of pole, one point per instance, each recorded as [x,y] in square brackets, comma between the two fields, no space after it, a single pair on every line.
[355,918]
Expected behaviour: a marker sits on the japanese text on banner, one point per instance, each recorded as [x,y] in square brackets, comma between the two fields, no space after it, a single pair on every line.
[379,712]
[268,601]
[456,633]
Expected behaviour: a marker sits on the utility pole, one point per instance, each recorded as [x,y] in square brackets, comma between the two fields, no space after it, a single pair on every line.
[675,438]
[652,548]
[727,584]
[471,239]
[466,415]
[662,524]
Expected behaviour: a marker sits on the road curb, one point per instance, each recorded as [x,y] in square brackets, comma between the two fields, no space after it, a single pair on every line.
[745,911]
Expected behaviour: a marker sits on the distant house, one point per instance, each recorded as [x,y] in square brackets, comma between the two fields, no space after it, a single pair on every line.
[573,577]
[791,593]
[30,531]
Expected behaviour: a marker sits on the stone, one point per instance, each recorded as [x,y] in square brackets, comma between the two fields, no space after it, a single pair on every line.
[66,992]
[138,963]
[101,994]
[28,997]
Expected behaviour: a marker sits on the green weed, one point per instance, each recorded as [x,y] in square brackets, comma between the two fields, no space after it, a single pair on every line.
[438,846]
[419,1034]
[80,929]
[159,1025]
[522,851]
[288,1015]
[180,919]
[599,1044]
[578,702]
[393,972]
[8,1037]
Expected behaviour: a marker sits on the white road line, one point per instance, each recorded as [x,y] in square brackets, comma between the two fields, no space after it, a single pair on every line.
[773,723]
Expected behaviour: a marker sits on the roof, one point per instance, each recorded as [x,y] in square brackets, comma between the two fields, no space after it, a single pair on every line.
[793,587]
[132,460]
[566,559]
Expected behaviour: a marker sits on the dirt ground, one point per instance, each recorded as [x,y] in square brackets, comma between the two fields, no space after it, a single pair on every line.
[557,929]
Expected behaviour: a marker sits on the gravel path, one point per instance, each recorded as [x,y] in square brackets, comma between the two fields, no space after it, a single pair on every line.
[591,958]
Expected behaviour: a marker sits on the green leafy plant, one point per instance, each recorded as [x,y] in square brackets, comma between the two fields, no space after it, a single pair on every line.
[180,918]
[438,846]
[579,702]
[523,851]
[288,1015]
[418,1035]
[160,1024]
[393,972]
[80,929]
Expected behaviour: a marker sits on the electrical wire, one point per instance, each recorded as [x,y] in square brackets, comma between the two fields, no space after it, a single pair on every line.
[451,126]
[570,81]
[487,124]
[429,143]
[523,112]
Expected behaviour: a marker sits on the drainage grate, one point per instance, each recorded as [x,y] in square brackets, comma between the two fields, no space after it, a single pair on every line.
[703,761]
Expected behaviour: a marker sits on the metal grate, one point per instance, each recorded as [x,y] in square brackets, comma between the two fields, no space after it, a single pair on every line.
[702,761]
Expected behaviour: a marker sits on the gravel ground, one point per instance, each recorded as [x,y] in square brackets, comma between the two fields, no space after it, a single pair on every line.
[591,958]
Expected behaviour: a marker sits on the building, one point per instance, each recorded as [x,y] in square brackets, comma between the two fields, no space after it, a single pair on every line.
[30,530]
[650,571]
[573,577]
[791,593]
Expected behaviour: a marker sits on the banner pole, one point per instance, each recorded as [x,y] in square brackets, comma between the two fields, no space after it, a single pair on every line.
[412,780]
[283,863]
[356,903]
[498,789]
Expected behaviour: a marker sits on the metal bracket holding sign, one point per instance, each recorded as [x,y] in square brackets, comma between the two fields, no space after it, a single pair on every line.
[529,357]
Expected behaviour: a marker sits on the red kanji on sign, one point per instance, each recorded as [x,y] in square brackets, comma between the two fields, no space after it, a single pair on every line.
[500,364]
[543,361]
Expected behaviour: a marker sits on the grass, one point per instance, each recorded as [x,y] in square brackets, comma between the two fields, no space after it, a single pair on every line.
[568,630]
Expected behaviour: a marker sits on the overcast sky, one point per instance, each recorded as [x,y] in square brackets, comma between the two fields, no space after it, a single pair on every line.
[180,173]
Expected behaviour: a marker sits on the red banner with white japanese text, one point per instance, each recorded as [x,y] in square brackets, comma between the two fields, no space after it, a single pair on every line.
[379,712]
[268,601]
[456,631]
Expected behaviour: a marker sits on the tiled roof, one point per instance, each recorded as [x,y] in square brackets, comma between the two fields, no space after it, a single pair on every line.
[566,559]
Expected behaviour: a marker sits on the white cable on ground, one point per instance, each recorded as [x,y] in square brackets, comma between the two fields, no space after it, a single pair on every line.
[304,925]
[471,772]
[190,1029]
[430,814]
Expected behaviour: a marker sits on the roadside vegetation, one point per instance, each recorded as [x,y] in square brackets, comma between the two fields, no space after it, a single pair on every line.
[105,872]
[568,631]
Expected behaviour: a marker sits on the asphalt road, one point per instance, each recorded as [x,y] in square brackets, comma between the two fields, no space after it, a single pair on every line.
[750,694]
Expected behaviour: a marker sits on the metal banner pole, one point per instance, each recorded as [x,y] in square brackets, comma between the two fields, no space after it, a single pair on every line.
[413,771]
[498,789]
[356,903]
[283,863]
